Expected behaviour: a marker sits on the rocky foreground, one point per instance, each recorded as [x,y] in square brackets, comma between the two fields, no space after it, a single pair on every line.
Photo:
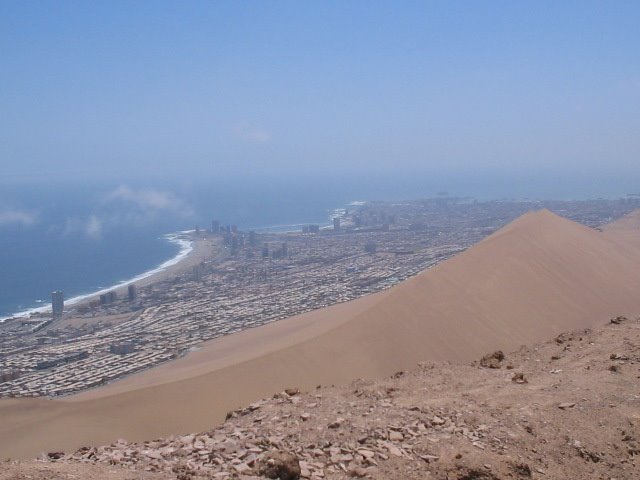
[566,409]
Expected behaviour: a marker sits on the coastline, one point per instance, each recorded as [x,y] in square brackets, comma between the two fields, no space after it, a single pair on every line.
[191,251]
[189,254]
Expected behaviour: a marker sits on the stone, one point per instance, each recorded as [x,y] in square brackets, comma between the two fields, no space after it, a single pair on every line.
[566,405]
[519,378]
[492,360]
[336,423]
[357,472]
[279,465]
[436,420]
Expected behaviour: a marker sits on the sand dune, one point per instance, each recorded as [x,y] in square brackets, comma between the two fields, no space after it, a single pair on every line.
[536,277]
[625,229]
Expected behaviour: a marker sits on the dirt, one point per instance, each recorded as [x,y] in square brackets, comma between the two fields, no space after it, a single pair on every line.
[556,410]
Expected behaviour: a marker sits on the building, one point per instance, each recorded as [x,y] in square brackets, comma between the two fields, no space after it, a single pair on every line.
[265,250]
[57,303]
[133,292]
[197,272]
[122,348]
[215,226]
[336,224]
[253,238]
[370,247]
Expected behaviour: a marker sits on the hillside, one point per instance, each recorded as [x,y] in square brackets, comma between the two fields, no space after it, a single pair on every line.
[533,279]
[567,408]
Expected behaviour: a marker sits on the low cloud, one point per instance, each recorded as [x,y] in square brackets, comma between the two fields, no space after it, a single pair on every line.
[93,228]
[17,217]
[130,208]
[148,201]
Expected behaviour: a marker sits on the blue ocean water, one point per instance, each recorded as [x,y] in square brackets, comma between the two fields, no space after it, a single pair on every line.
[80,237]
[83,238]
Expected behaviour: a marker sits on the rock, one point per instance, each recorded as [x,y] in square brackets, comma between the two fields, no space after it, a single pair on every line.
[55,455]
[367,454]
[280,465]
[305,416]
[292,391]
[523,470]
[566,405]
[395,436]
[618,356]
[336,424]
[492,360]
[617,320]
[519,378]
[429,458]
[436,420]
[357,472]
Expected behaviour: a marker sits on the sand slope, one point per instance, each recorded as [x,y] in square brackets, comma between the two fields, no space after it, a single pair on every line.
[536,277]
[625,229]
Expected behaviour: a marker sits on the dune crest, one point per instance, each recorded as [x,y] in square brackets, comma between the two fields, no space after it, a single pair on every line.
[536,277]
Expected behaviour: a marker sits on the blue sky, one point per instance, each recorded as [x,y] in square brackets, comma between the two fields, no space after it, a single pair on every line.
[219,89]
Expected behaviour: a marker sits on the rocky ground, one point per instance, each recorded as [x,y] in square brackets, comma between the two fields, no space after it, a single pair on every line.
[566,409]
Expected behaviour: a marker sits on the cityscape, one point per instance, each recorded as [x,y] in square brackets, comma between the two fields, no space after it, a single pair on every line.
[248,279]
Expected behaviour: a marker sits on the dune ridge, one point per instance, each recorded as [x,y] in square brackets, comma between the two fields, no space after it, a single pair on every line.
[536,277]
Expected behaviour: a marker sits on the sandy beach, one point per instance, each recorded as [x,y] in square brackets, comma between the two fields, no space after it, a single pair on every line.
[531,280]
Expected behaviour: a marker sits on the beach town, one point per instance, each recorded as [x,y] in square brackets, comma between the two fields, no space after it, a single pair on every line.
[233,280]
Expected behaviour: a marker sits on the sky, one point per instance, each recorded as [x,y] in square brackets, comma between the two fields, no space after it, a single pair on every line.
[220,90]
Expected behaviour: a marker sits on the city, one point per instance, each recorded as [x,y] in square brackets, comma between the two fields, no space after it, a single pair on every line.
[249,279]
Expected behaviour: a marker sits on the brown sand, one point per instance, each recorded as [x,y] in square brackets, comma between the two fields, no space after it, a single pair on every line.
[564,409]
[534,278]
[625,229]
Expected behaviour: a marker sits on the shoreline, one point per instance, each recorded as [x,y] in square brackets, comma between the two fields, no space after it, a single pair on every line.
[187,248]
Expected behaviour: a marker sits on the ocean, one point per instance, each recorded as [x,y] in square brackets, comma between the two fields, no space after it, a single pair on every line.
[81,237]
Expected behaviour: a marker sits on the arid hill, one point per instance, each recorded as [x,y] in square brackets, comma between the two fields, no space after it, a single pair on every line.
[565,409]
[531,280]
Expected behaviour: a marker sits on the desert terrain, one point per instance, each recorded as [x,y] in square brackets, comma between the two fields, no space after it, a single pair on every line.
[566,408]
[537,277]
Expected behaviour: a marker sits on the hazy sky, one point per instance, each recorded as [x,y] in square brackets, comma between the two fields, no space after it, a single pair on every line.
[126,89]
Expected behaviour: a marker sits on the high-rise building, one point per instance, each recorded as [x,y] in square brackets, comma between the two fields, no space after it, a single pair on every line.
[133,292]
[285,249]
[197,272]
[57,303]
[336,224]
[215,226]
